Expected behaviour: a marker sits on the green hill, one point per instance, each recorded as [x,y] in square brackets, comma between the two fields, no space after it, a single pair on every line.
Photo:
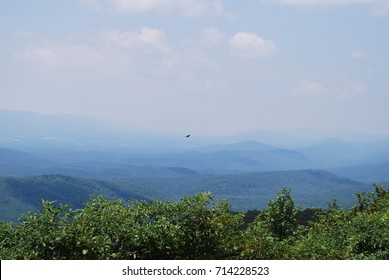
[21,194]
[311,188]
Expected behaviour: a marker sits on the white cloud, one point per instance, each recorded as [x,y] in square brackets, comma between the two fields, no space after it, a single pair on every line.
[207,38]
[93,4]
[370,71]
[217,8]
[307,88]
[215,84]
[67,56]
[183,7]
[139,51]
[379,7]
[249,45]
[122,55]
[211,37]
[187,8]
[357,54]
[323,2]
[23,34]
[144,38]
[47,56]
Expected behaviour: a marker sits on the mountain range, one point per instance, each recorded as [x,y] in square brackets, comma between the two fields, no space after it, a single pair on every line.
[72,157]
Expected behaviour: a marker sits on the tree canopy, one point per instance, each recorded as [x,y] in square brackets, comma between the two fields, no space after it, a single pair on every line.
[199,227]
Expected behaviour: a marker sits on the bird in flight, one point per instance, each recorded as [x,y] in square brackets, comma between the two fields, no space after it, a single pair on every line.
[187,135]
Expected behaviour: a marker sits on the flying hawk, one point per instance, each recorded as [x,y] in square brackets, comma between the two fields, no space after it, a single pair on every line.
[187,135]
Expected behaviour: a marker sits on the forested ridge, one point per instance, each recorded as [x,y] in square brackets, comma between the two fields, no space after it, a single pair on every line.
[247,191]
[200,227]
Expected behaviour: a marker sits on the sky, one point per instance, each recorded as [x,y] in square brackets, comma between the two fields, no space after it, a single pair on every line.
[206,67]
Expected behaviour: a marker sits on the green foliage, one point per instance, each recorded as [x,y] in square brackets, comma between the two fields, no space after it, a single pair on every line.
[244,191]
[196,227]
[38,236]
[265,237]
[281,215]
[200,227]
[19,195]
[359,233]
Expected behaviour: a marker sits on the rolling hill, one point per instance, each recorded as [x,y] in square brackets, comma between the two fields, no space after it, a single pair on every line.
[21,194]
[89,157]
[310,188]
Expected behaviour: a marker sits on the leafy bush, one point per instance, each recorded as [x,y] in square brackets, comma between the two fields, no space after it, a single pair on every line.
[199,227]
[359,233]
[266,237]
[196,227]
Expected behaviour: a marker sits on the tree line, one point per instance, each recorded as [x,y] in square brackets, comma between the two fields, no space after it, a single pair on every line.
[200,227]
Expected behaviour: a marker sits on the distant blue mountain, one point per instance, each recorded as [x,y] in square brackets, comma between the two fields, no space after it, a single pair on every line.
[336,153]
[22,194]
[247,171]
[249,145]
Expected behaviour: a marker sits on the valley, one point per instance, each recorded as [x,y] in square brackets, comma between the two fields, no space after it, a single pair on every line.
[92,160]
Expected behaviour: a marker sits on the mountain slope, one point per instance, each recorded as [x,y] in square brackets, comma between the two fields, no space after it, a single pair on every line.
[20,163]
[238,146]
[21,194]
[377,173]
[311,188]
[337,153]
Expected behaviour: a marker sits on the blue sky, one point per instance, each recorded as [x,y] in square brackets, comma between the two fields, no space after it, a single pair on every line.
[211,67]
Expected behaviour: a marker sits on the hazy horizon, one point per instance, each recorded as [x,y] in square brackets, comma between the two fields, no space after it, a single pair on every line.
[206,67]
